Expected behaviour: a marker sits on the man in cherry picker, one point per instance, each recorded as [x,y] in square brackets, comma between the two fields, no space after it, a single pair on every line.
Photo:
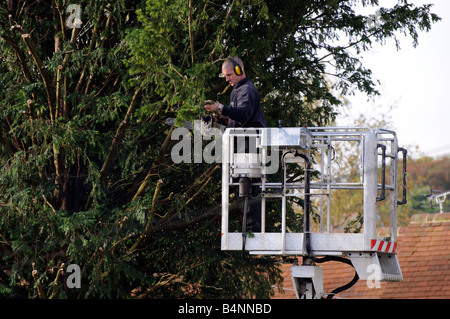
[245,110]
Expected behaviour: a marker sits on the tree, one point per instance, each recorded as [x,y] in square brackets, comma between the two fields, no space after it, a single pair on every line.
[86,174]
[427,176]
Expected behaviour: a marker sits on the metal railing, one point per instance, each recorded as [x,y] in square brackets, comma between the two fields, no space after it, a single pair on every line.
[378,173]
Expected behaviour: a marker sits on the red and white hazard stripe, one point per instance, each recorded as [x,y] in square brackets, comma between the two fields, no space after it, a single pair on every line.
[383,246]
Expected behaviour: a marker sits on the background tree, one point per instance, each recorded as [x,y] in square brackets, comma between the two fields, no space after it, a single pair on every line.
[427,176]
[86,174]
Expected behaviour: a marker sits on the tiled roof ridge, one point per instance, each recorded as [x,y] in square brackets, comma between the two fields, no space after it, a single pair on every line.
[430,218]
[419,220]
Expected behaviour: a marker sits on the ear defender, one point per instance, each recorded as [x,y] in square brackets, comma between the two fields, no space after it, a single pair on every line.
[237,67]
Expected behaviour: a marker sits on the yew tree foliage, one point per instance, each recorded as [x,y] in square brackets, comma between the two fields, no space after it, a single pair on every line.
[86,175]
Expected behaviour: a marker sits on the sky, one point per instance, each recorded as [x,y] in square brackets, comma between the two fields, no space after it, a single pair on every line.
[415,86]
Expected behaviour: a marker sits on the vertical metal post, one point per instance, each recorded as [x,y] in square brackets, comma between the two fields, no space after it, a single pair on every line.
[329,186]
[322,165]
[225,186]
[283,208]
[263,186]
[306,223]
[370,188]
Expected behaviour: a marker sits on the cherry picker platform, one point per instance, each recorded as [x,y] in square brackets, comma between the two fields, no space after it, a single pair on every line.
[260,154]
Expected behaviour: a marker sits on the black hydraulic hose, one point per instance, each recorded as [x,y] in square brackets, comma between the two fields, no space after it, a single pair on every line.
[307,205]
[307,231]
[283,169]
[342,260]
[344,287]
[245,186]
[404,200]
[244,226]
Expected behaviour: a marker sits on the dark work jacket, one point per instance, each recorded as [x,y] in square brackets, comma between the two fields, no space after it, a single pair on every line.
[245,105]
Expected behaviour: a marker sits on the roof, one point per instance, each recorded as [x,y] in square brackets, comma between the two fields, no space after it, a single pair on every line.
[424,257]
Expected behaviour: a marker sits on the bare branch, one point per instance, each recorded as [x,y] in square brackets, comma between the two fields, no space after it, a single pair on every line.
[22,61]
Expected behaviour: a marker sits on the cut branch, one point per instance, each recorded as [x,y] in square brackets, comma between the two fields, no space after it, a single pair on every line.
[193,191]
[219,36]
[149,218]
[191,37]
[162,152]
[49,87]
[115,142]
[22,61]
[119,135]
